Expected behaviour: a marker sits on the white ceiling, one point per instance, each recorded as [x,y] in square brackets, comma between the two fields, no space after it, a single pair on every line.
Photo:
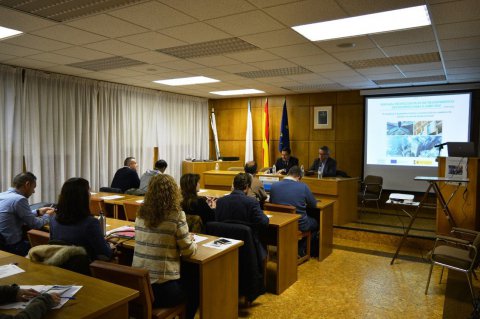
[136,31]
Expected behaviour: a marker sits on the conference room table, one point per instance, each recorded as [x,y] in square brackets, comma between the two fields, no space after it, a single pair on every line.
[343,190]
[97,299]
[218,272]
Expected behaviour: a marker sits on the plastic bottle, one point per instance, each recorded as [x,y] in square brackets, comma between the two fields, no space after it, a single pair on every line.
[320,171]
[302,169]
[103,223]
[274,169]
[217,166]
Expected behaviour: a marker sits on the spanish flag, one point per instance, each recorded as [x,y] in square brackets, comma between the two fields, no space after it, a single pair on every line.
[265,136]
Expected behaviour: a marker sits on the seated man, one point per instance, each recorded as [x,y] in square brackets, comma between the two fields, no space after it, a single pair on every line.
[284,163]
[327,164]
[160,167]
[239,207]
[256,190]
[290,191]
[126,177]
[15,212]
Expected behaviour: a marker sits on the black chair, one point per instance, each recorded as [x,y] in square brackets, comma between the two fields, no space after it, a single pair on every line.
[371,190]
[251,264]
[111,190]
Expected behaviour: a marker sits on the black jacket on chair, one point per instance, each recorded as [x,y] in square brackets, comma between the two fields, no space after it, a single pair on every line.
[250,264]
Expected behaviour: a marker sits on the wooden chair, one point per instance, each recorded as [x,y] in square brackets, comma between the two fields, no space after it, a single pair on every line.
[291,210]
[131,209]
[38,237]
[97,205]
[138,279]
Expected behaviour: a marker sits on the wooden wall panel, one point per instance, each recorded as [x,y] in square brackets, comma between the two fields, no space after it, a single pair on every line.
[349,156]
[349,122]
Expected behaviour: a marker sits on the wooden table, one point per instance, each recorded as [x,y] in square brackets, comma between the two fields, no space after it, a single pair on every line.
[96,299]
[198,167]
[342,190]
[325,223]
[117,202]
[282,232]
[218,270]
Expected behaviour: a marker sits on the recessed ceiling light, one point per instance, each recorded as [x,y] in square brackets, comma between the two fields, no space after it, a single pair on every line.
[400,19]
[187,81]
[346,45]
[7,33]
[238,92]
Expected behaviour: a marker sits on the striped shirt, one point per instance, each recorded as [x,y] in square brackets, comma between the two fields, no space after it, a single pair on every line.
[158,249]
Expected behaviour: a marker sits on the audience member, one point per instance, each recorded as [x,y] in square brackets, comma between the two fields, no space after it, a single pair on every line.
[160,167]
[284,163]
[73,223]
[38,304]
[161,236]
[127,177]
[15,212]
[256,190]
[327,164]
[192,204]
[239,207]
[290,191]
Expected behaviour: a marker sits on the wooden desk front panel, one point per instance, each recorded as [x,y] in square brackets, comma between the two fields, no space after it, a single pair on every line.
[221,180]
[200,167]
[325,244]
[96,299]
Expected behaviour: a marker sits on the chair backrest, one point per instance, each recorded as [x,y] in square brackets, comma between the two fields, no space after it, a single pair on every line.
[131,210]
[135,278]
[195,223]
[97,205]
[236,169]
[38,237]
[280,208]
[111,190]
[373,184]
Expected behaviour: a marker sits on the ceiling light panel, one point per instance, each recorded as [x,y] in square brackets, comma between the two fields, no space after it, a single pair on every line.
[187,81]
[274,72]
[237,92]
[396,60]
[7,32]
[387,21]
[106,63]
[61,10]
[215,47]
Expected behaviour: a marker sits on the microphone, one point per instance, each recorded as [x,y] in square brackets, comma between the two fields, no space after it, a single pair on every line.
[440,145]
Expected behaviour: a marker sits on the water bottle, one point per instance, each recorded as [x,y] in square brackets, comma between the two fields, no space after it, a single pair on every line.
[302,169]
[274,169]
[103,223]
[320,171]
[217,166]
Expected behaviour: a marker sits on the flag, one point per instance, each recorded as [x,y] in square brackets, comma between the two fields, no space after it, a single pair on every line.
[284,133]
[249,136]
[214,131]
[266,137]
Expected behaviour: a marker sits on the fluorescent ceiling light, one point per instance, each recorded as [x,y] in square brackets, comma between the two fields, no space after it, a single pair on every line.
[238,92]
[6,32]
[187,81]
[367,24]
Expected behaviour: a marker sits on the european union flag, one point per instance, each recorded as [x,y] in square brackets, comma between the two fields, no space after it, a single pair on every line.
[284,133]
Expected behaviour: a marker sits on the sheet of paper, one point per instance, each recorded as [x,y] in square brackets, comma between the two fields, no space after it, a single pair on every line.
[112,197]
[9,270]
[202,190]
[269,216]
[199,239]
[140,201]
[66,293]
[221,243]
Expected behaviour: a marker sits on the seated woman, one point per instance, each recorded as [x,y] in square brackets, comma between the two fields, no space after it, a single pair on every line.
[192,204]
[161,236]
[73,223]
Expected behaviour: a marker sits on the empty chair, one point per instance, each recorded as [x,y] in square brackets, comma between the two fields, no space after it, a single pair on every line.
[138,279]
[38,237]
[456,254]
[111,190]
[131,209]
[371,190]
[291,210]
[97,205]
[236,169]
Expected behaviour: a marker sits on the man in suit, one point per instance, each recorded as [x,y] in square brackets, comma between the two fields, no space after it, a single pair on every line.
[284,163]
[127,177]
[325,162]
[256,190]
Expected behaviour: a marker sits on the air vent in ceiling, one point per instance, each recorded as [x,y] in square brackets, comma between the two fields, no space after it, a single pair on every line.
[395,60]
[215,47]
[61,10]
[274,72]
[433,78]
[315,87]
[116,62]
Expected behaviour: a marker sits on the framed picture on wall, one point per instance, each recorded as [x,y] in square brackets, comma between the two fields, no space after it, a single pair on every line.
[322,117]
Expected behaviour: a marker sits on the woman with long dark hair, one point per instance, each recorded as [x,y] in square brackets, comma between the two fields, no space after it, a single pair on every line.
[73,223]
[192,204]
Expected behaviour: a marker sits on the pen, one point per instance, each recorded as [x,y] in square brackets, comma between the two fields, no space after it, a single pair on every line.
[70,298]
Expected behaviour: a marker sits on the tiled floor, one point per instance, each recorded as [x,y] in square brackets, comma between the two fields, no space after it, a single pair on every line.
[353,283]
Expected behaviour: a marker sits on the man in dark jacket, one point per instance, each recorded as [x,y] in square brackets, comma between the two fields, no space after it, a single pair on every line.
[327,165]
[127,177]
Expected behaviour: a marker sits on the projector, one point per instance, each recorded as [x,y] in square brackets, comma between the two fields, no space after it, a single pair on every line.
[401,198]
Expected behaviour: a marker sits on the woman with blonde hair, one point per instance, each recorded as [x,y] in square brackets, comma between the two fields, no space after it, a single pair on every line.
[161,237]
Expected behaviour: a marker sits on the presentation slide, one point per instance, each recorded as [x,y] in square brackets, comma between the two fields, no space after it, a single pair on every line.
[402,131]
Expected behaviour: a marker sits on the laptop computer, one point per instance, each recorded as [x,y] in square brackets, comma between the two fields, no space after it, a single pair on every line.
[461,149]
